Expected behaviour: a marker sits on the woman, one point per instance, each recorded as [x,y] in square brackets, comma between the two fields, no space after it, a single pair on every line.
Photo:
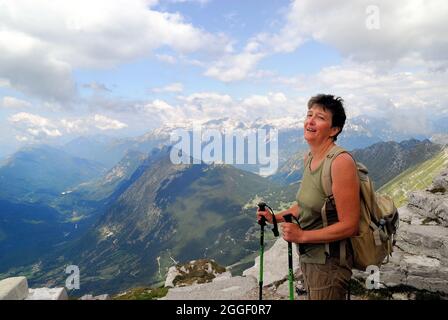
[326,275]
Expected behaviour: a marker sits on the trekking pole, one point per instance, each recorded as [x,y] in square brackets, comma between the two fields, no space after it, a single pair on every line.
[288,218]
[262,222]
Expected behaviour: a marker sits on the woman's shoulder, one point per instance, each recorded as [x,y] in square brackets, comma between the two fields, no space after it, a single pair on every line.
[343,161]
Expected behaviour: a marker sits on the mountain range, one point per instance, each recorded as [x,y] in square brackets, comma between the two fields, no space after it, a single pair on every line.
[387,160]
[359,132]
[384,160]
[39,173]
[417,177]
[128,213]
[169,212]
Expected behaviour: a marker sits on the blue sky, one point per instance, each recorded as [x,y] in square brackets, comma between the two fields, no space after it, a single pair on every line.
[123,68]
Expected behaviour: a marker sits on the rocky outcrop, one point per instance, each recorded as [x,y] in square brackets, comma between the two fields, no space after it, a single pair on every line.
[206,280]
[433,207]
[92,297]
[440,183]
[16,288]
[47,294]
[275,264]
[231,288]
[193,272]
[228,287]
[420,259]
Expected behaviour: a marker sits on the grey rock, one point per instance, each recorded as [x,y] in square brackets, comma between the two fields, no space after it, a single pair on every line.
[47,294]
[429,240]
[91,297]
[275,263]
[400,296]
[223,276]
[171,275]
[430,205]
[14,288]
[233,288]
[196,271]
[283,290]
[441,181]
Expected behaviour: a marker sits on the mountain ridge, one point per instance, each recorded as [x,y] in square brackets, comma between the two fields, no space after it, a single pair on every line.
[43,170]
[169,211]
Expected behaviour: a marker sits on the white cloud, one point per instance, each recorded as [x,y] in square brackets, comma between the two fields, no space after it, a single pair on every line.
[234,67]
[78,126]
[90,123]
[162,112]
[204,106]
[22,138]
[39,54]
[240,66]
[407,98]
[410,31]
[14,103]
[201,104]
[33,127]
[173,87]
[105,123]
[272,105]
[28,118]
[256,101]
[28,66]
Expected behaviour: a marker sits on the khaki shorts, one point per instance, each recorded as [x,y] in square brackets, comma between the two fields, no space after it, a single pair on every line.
[329,281]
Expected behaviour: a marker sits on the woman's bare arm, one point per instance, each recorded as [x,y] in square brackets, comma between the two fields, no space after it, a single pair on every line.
[345,188]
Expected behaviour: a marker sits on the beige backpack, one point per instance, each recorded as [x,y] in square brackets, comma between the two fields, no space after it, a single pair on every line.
[378,222]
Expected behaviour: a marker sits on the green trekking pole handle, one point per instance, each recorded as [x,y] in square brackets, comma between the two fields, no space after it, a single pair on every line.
[262,223]
[288,218]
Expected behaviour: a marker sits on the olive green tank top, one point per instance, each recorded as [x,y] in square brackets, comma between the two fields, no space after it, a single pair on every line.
[311,198]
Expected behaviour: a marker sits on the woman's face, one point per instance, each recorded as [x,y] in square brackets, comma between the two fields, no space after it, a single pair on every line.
[317,126]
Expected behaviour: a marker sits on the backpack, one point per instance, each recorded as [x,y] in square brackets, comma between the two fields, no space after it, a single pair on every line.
[378,223]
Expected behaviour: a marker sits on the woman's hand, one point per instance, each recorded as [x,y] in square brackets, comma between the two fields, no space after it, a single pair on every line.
[266,214]
[292,232]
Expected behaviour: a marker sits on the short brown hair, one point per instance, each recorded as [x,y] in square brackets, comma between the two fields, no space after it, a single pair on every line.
[335,105]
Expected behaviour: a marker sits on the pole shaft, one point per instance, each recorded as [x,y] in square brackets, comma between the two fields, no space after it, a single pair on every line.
[260,283]
[290,273]
[288,218]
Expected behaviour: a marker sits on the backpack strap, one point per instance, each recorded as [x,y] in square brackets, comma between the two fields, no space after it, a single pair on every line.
[323,213]
[307,160]
[326,170]
[327,186]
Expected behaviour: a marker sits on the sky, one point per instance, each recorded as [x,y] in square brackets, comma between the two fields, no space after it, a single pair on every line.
[124,67]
